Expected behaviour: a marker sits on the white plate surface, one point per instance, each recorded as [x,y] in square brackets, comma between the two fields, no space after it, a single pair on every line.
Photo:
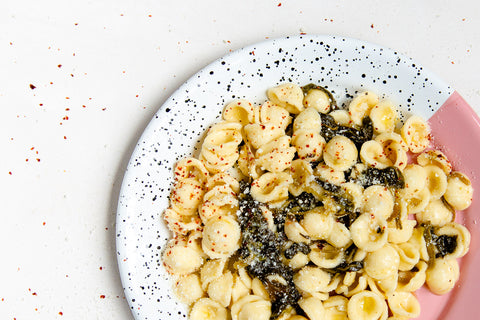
[345,66]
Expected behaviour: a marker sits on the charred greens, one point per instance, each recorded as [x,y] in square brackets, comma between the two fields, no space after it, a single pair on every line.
[359,135]
[261,250]
[438,246]
[296,247]
[389,177]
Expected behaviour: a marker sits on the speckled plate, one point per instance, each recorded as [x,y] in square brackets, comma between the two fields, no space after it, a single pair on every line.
[345,66]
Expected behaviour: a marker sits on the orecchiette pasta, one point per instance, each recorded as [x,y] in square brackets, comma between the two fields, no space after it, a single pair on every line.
[220,289]
[312,279]
[340,153]
[276,155]
[327,256]
[336,308]
[251,307]
[271,113]
[361,105]
[300,209]
[404,304]
[317,224]
[400,235]
[413,279]
[239,111]
[187,196]
[369,233]
[220,148]
[436,182]
[179,258]
[442,275]
[384,117]
[211,270]
[317,99]
[416,133]
[260,134]
[189,289]
[436,213]
[367,305]
[373,155]
[408,254]
[219,201]
[313,308]
[191,168]
[415,178]
[288,96]
[206,308]
[271,188]
[302,177]
[352,284]
[341,117]
[329,174]
[378,201]
[459,191]
[437,158]
[221,237]
[306,135]
[382,263]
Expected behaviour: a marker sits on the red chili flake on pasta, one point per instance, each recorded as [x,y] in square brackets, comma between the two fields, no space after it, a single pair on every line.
[60,313]
[102,296]
[59,66]
[32,86]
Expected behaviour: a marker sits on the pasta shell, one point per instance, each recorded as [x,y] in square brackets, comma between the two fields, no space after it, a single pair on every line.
[288,96]
[437,158]
[361,105]
[416,133]
[340,153]
[459,191]
[373,155]
[241,111]
[317,99]
[384,117]
[208,309]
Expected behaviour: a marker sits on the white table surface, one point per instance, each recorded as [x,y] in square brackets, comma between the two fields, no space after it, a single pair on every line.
[80,80]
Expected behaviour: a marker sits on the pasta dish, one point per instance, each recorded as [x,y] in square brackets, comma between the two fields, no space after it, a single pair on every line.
[302,209]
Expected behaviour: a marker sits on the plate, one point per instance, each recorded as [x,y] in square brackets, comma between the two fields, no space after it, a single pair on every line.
[345,66]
